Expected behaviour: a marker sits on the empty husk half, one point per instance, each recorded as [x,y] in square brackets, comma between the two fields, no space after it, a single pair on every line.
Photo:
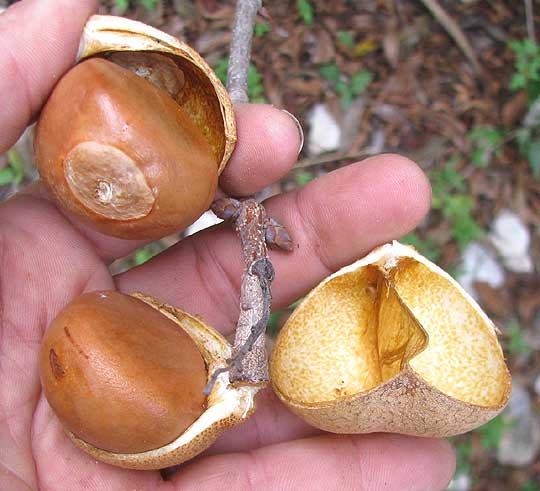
[391,343]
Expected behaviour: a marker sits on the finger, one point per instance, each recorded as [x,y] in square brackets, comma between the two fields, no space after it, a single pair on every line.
[272,423]
[253,166]
[39,40]
[333,221]
[269,141]
[329,462]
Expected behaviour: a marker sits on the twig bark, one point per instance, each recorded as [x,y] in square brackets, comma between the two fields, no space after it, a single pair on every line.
[453,31]
[246,12]
[249,361]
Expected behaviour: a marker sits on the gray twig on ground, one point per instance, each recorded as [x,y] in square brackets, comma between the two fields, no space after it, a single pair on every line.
[530,20]
[454,31]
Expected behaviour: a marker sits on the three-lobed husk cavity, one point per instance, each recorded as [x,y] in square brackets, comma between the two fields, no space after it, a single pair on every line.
[226,405]
[391,343]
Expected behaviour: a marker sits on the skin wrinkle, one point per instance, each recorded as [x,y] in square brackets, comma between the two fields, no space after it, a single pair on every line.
[310,231]
[22,83]
[256,474]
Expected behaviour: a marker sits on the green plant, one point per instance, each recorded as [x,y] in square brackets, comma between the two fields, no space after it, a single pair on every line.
[13,173]
[517,344]
[528,140]
[492,432]
[530,485]
[451,199]
[527,67]
[485,141]
[303,177]
[123,5]
[261,28]
[348,88]
[273,326]
[145,254]
[463,454]
[254,81]
[346,38]
[427,247]
[305,11]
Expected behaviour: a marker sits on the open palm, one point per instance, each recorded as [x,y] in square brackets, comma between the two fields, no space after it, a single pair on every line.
[46,259]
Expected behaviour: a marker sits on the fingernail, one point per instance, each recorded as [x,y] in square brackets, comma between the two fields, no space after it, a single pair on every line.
[299,127]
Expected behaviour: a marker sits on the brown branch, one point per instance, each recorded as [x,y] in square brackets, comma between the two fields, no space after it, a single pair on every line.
[454,31]
[237,73]
[249,361]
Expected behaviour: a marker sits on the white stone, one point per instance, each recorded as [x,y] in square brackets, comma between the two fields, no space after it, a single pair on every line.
[324,131]
[461,482]
[510,236]
[479,265]
[206,220]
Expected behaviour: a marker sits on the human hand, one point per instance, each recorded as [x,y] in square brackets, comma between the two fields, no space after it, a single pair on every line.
[47,259]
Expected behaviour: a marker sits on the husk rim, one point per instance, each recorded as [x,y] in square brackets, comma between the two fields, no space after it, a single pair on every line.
[227,405]
[99,35]
[316,413]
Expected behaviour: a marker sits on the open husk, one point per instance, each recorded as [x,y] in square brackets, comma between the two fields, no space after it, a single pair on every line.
[391,343]
[202,95]
[226,405]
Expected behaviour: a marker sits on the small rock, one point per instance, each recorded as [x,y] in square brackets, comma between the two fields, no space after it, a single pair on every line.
[520,442]
[206,220]
[511,238]
[479,265]
[325,133]
[461,482]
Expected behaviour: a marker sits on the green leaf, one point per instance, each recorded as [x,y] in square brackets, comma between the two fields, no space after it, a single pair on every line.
[261,28]
[485,140]
[144,254]
[518,82]
[272,327]
[221,68]
[346,38]
[463,455]
[427,247]
[149,4]
[530,485]
[533,156]
[491,433]
[303,177]
[16,166]
[330,72]
[6,176]
[121,6]
[360,82]
[254,81]
[517,343]
[305,11]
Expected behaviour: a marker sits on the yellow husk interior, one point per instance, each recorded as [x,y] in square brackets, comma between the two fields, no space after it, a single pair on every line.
[369,322]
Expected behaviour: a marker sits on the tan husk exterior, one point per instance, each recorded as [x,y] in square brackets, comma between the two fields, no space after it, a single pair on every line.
[404,402]
[405,405]
[214,115]
[227,405]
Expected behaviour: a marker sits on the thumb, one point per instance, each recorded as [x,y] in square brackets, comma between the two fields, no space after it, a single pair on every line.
[39,40]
